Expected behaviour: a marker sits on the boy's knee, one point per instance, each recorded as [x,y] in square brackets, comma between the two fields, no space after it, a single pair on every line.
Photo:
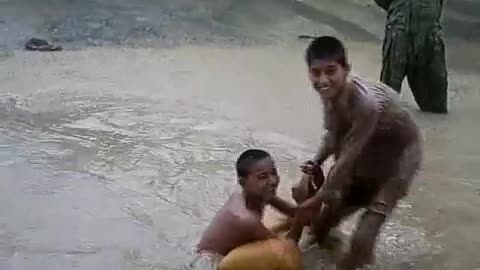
[326,219]
[380,209]
[387,198]
[368,230]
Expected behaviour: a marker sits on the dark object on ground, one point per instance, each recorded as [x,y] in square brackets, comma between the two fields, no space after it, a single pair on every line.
[36,44]
[306,37]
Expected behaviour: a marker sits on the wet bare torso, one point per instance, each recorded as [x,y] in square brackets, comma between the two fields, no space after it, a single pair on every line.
[226,231]
[394,130]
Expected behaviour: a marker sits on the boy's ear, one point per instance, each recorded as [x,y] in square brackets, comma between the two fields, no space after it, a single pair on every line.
[241,181]
[349,67]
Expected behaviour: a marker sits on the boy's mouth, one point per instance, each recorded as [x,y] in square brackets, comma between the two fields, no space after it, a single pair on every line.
[324,90]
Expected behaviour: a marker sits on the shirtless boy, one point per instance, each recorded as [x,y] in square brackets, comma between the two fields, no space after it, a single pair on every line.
[239,221]
[376,145]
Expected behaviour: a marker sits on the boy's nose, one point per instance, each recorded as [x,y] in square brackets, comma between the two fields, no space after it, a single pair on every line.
[273,180]
[323,81]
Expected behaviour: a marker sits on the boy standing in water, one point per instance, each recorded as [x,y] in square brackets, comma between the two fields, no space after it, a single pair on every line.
[376,145]
[239,221]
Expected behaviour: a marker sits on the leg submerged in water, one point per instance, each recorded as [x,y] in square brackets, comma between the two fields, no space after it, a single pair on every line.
[328,218]
[395,54]
[428,79]
[362,248]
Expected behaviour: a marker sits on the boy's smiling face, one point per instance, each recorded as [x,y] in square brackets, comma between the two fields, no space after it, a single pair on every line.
[262,180]
[328,77]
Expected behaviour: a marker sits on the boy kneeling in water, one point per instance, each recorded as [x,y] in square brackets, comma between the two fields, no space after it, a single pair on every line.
[236,238]
[376,145]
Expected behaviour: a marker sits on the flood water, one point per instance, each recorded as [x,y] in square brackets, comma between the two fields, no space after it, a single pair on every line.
[116,153]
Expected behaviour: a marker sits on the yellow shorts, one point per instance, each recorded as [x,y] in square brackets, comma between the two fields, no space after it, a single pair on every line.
[271,254]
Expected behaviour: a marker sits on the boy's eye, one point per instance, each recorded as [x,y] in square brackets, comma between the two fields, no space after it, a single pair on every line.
[331,71]
[263,175]
[315,72]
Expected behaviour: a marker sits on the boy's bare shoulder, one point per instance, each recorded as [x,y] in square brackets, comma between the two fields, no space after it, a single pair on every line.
[238,213]
[381,100]
[374,96]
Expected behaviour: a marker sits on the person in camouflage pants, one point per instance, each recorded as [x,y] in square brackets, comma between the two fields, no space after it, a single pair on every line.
[413,46]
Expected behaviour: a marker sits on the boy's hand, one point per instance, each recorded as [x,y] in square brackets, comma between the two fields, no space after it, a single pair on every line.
[308,167]
[311,168]
[303,215]
[306,209]
[299,193]
[309,204]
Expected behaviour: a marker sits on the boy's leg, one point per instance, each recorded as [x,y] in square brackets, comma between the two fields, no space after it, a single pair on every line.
[363,243]
[355,197]
[329,217]
[384,202]
[428,79]
[395,50]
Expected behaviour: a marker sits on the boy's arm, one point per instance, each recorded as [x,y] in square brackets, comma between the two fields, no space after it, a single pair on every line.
[296,229]
[364,124]
[283,206]
[326,149]
[255,230]
[282,226]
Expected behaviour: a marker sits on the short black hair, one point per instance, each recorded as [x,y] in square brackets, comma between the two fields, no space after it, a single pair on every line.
[247,159]
[326,48]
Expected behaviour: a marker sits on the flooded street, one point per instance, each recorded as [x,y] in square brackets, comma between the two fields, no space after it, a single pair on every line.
[116,153]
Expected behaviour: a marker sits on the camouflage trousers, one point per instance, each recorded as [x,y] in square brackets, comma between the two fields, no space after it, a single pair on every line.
[423,64]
